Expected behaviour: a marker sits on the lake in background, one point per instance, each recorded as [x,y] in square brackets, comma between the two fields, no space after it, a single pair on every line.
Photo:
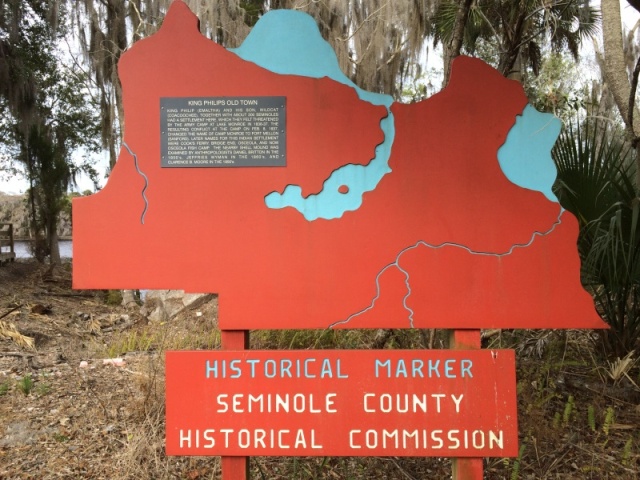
[22,249]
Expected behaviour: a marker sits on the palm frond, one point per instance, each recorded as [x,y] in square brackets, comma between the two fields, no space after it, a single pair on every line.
[444,20]
[596,176]
[594,170]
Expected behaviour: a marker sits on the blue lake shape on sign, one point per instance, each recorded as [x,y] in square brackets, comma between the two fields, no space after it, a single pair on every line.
[525,157]
[288,42]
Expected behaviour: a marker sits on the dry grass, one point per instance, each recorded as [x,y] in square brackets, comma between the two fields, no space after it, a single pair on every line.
[9,331]
[106,422]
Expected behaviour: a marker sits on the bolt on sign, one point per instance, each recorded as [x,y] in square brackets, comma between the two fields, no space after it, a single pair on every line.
[342,403]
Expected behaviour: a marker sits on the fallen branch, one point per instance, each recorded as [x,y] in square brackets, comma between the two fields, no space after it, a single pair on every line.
[10,311]
[69,295]
[17,354]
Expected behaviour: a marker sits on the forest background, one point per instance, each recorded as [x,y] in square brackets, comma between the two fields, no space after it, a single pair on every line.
[61,104]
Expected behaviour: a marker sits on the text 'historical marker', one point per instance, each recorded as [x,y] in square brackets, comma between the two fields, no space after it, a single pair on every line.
[342,403]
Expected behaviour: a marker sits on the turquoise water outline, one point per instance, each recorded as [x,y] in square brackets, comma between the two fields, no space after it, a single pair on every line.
[288,42]
[407,282]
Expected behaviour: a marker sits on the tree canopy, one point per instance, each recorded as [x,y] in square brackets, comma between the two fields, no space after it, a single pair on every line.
[47,114]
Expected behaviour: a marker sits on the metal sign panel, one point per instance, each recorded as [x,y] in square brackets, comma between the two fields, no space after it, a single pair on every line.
[436,214]
[222,132]
[342,403]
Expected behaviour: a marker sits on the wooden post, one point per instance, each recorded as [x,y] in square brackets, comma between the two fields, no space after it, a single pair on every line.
[11,238]
[235,468]
[466,468]
[6,239]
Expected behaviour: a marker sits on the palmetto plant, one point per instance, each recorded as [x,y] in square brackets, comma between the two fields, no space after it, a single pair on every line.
[596,173]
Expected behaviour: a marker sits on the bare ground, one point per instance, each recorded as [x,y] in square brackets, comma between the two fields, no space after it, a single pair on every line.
[62,418]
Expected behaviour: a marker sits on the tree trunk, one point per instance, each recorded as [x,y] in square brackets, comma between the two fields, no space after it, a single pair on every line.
[506,65]
[452,49]
[32,204]
[615,70]
[117,18]
[511,50]
[53,241]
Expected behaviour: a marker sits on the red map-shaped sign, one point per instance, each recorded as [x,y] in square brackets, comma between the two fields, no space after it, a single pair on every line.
[445,238]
